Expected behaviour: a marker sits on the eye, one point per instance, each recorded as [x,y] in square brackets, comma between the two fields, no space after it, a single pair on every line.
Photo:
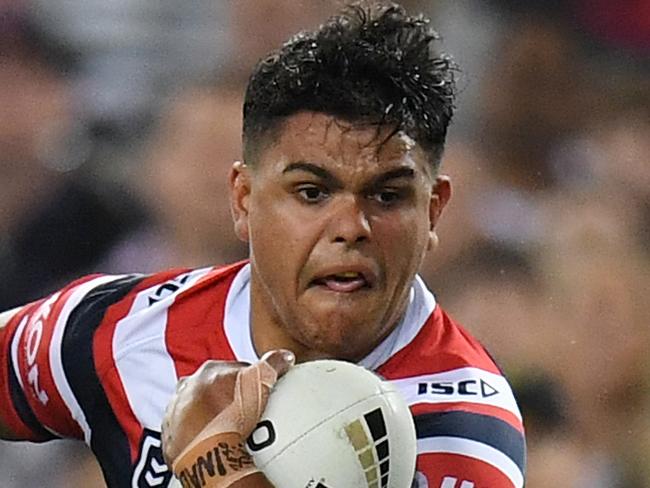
[312,193]
[386,197]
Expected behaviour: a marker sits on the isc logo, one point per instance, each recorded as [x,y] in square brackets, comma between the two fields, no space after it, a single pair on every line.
[464,388]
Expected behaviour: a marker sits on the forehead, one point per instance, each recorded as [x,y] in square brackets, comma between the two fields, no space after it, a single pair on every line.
[323,139]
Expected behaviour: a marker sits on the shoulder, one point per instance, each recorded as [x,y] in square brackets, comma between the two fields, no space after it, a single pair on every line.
[134,309]
[444,367]
[463,405]
[441,344]
[150,317]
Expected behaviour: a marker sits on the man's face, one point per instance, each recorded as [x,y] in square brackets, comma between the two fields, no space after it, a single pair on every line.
[338,220]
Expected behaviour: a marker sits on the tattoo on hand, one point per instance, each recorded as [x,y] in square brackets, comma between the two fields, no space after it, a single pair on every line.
[223,459]
[237,456]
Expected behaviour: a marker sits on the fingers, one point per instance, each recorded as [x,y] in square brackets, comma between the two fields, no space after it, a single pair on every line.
[199,398]
[212,370]
[221,397]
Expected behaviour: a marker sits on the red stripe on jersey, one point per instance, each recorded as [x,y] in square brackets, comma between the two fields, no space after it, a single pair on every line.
[195,330]
[105,361]
[478,408]
[8,415]
[441,345]
[55,414]
[34,364]
[451,470]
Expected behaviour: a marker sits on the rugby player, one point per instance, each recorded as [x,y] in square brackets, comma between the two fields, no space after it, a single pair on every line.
[338,196]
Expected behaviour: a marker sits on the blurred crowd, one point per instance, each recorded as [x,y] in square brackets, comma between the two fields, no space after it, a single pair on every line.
[119,121]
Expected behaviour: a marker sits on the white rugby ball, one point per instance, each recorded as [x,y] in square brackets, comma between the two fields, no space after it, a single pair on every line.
[333,424]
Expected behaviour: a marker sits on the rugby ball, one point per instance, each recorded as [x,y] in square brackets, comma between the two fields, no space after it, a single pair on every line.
[333,424]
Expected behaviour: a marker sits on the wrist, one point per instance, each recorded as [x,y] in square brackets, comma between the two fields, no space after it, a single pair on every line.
[217,461]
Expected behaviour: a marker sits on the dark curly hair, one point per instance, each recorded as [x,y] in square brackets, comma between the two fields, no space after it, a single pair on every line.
[371,64]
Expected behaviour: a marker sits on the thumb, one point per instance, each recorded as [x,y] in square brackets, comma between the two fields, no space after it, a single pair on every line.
[280,360]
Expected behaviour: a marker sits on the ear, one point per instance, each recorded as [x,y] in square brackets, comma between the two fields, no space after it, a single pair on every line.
[240,189]
[440,195]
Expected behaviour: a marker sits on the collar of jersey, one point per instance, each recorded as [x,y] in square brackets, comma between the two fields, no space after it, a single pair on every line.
[238,330]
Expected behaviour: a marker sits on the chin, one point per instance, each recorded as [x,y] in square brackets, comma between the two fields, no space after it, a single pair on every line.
[345,343]
[333,352]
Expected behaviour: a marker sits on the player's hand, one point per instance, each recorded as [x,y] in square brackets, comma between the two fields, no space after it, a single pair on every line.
[220,396]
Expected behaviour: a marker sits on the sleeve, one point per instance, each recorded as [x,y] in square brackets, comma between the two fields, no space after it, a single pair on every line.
[41,351]
[469,430]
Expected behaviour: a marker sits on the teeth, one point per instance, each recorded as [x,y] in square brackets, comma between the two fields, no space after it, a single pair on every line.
[348,274]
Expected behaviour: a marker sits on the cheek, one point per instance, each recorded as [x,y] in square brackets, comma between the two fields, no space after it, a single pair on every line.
[404,240]
[280,240]
[276,226]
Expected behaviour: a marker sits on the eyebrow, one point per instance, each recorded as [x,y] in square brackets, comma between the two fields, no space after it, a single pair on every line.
[402,172]
[309,168]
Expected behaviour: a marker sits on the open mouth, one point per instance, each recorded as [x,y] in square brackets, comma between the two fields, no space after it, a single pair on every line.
[345,282]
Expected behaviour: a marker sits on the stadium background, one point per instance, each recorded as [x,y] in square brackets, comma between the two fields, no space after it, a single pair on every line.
[119,120]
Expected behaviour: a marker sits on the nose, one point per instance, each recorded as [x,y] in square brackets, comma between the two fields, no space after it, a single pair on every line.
[349,223]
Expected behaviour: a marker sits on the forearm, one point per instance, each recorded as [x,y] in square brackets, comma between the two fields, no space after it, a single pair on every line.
[219,461]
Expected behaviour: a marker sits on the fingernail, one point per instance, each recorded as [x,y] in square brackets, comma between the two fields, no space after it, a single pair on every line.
[288,356]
